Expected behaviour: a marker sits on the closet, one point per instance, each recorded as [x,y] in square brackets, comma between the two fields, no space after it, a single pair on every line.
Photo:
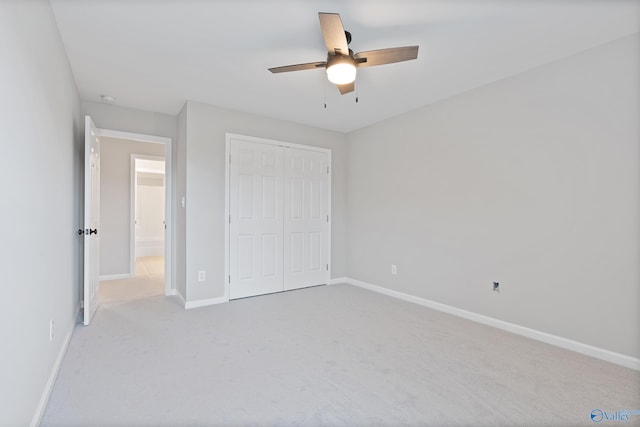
[279,220]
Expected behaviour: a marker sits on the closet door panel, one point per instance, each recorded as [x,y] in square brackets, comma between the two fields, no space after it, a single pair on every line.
[306,228]
[256,219]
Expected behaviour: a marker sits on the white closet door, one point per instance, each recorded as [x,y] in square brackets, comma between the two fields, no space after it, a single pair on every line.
[306,227]
[256,201]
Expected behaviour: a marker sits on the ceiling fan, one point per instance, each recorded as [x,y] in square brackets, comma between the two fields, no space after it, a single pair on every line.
[341,62]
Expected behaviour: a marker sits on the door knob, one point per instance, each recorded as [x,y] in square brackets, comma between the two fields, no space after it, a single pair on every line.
[87,231]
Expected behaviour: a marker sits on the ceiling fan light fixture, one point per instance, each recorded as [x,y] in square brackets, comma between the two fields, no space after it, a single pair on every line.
[341,69]
[341,62]
[341,74]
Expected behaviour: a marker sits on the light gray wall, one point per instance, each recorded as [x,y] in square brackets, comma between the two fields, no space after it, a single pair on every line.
[40,187]
[181,215]
[532,181]
[205,174]
[113,117]
[115,201]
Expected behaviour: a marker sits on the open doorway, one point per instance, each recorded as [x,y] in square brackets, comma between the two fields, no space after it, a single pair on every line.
[148,222]
[135,242]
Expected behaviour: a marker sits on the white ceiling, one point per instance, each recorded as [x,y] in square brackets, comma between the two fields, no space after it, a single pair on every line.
[154,55]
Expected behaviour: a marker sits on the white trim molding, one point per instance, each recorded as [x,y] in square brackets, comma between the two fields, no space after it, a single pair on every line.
[55,370]
[337,281]
[108,133]
[115,277]
[180,297]
[205,302]
[586,349]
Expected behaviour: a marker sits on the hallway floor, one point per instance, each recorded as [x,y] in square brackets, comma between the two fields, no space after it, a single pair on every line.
[147,282]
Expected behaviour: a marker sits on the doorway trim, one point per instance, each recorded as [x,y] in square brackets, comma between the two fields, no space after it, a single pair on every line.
[169,282]
[227,196]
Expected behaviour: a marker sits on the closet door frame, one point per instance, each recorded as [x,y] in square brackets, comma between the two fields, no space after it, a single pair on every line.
[229,138]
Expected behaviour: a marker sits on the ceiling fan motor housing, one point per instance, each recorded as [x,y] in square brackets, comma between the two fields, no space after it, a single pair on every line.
[333,59]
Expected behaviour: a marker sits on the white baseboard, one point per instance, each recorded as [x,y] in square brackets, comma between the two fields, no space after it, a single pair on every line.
[115,276]
[205,302]
[180,297]
[589,350]
[336,281]
[46,393]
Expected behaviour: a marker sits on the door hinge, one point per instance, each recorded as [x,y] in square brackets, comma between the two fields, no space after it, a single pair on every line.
[327,170]
[327,267]
[327,218]
[229,218]
[229,279]
[229,158]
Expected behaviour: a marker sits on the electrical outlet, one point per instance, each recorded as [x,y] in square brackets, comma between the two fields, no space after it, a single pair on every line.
[51,330]
[496,286]
[394,269]
[201,276]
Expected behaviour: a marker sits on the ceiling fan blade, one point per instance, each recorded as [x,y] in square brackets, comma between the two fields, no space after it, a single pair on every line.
[333,33]
[386,56]
[298,67]
[346,88]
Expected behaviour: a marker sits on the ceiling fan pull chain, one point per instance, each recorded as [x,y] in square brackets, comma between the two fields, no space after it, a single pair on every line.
[324,93]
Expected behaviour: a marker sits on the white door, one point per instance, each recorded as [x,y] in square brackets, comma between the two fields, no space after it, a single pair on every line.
[91,219]
[306,218]
[256,219]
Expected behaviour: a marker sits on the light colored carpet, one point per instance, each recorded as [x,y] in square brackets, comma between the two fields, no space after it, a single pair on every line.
[330,355]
